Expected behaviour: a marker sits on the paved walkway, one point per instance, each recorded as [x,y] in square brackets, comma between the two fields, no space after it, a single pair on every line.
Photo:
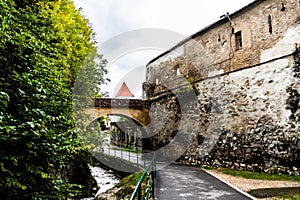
[191,183]
[183,182]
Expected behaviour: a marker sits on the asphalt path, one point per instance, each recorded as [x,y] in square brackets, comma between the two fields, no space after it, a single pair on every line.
[182,182]
[191,183]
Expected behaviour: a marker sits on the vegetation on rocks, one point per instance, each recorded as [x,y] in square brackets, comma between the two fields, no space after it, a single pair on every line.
[125,188]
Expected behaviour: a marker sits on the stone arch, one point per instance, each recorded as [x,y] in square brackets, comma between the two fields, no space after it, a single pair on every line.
[139,115]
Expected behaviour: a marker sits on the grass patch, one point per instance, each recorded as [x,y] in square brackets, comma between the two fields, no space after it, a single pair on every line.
[127,185]
[289,193]
[275,192]
[138,151]
[259,175]
[289,197]
[209,168]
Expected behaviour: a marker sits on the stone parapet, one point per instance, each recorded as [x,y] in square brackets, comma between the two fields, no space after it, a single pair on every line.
[115,102]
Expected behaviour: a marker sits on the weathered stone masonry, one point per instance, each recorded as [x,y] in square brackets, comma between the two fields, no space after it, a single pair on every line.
[244,75]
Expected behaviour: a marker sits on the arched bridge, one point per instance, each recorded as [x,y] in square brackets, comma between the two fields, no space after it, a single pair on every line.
[136,109]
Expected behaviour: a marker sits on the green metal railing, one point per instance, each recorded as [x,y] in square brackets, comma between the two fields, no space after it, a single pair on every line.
[149,171]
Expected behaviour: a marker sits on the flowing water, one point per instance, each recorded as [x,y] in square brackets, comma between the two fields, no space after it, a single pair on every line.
[105,179]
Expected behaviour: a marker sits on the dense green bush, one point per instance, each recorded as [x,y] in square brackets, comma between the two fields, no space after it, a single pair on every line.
[43,44]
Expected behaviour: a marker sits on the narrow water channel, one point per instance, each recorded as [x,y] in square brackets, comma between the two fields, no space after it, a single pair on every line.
[105,179]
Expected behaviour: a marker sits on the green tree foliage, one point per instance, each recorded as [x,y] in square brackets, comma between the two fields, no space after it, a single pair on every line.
[43,44]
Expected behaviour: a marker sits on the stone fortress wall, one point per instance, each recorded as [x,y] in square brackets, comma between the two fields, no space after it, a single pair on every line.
[232,91]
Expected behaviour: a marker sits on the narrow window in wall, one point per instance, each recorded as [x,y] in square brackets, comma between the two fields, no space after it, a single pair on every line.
[282,7]
[238,40]
[270,24]
[156,81]
[219,38]
[177,72]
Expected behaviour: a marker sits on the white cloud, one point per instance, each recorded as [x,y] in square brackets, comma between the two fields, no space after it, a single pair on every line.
[129,68]
[112,17]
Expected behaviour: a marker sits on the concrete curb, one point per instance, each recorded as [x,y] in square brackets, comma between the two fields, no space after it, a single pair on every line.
[230,185]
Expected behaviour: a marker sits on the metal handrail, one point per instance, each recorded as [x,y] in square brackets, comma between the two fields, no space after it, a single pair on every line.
[138,188]
[124,154]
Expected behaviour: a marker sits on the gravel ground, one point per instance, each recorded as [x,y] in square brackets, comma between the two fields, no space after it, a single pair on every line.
[250,184]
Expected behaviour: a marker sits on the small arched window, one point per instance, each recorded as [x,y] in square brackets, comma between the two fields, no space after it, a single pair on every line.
[282,7]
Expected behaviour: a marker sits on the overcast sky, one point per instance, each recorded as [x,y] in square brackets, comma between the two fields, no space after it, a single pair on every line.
[110,18]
